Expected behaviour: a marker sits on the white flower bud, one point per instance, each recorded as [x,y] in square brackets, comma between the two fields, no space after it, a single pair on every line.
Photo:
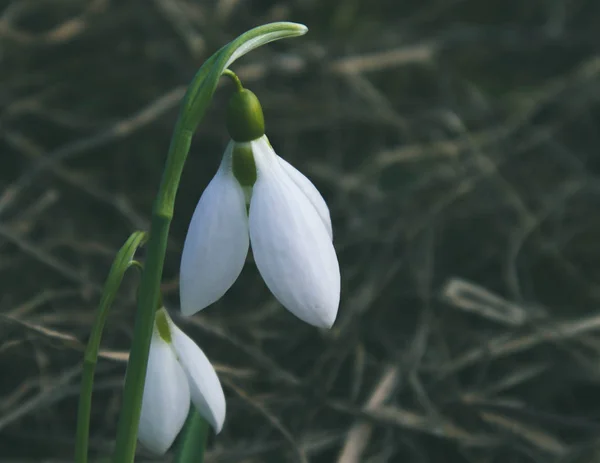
[178,371]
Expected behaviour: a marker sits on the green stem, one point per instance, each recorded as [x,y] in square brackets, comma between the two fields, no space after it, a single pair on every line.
[193,439]
[236,80]
[123,260]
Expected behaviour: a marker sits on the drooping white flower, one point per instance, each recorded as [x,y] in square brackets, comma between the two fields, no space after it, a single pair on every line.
[287,221]
[178,372]
[291,242]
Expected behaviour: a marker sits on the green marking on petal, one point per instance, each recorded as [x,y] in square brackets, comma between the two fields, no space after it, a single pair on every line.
[162,325]
[243,165]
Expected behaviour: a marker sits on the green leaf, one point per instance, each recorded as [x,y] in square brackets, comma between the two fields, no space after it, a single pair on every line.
[123,260]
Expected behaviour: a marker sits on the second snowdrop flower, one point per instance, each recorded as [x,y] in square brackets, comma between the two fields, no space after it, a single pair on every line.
[258,198]
[178,372]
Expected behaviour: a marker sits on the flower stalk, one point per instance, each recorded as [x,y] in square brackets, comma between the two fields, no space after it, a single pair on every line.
[192,444]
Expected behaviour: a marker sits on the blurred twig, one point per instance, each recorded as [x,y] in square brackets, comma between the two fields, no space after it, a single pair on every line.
[119,130]
[360,433]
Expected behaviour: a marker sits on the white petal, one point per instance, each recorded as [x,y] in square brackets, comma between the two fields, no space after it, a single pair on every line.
[291,246]
[311,193]
[216,244]
[205,388]
[166,399]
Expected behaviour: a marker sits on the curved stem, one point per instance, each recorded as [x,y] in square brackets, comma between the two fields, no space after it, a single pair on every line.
[236,80]
[123,260]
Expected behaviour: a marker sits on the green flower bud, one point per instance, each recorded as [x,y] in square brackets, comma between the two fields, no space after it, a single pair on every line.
[243,165]
[245,120]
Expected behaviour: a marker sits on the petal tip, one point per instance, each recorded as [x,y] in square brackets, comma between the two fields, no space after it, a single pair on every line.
[323,319]
[215,414]
[205,388]
[187,309]
[217,423]
[327,323]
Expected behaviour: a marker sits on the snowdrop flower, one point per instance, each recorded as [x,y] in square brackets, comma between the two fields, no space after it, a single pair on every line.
[258,198]
[178,372]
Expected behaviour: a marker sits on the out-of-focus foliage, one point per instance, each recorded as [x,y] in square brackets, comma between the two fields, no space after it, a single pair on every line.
[457,143]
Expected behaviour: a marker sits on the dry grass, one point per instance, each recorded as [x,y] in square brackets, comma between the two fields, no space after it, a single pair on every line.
[457,144]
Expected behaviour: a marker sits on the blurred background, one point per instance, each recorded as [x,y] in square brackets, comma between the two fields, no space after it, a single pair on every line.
[457,143]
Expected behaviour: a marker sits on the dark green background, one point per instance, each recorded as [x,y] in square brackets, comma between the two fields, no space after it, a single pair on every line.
[451,139]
